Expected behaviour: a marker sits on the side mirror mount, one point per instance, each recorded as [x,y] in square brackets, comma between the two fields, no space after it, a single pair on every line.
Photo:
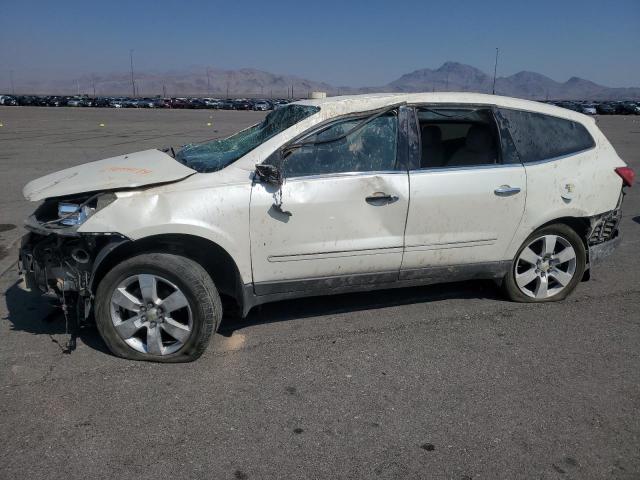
[269,174]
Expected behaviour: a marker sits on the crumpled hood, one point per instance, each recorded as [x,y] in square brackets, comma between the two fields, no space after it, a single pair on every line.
[126,171]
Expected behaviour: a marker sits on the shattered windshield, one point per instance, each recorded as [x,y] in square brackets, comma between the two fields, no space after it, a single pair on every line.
[217,154]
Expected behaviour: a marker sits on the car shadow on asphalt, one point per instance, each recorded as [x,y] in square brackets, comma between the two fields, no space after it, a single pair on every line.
[636,219]
[352,302]
[33,313]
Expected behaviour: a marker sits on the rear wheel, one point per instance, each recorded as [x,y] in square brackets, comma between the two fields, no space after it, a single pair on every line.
[157,307]
[547,267]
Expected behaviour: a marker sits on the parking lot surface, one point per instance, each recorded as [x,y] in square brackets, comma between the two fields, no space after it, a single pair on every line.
[446,381]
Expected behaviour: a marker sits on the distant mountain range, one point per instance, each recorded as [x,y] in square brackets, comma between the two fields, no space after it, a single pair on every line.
[451,76]
[459,77]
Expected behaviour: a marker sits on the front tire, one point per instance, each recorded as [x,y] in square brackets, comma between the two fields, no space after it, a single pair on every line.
[157,307]
[548,266]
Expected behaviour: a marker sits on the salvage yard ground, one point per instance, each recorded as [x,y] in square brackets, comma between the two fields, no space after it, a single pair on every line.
[448,381]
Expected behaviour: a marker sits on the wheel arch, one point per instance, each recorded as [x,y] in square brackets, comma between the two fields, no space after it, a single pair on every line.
[580,225]
[218,263]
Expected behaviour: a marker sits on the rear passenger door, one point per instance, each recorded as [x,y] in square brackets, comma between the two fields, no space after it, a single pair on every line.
[467,191]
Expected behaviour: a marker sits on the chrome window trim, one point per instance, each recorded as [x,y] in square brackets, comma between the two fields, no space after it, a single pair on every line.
[502,165]
[561,157]
[466,167]
[346,174]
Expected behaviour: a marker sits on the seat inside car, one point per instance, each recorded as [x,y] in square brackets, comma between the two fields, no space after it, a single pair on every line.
[479,148]
[432,148]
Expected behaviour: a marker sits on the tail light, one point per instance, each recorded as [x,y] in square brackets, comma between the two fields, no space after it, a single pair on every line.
[627,174]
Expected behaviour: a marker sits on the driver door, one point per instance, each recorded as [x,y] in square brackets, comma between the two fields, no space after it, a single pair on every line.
[340,215]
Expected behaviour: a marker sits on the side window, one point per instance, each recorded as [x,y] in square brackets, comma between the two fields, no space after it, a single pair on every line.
[541,137]
[457,137]
[370,148]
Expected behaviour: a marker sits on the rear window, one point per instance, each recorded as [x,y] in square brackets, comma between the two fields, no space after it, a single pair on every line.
[541,137]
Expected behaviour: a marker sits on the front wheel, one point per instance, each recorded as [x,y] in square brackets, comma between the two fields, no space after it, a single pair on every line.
[548,266]
[157,307]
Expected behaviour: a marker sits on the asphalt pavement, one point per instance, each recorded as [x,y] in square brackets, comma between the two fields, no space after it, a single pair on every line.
[448,381]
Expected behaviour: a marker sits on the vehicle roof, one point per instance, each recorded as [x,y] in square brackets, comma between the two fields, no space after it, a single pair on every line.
[334,106]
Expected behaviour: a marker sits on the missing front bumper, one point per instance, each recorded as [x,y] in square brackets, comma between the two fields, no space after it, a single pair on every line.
[65,266]
[56,264]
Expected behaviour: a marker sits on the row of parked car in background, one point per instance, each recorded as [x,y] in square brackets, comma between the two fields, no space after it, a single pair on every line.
[600,108]
[258,104]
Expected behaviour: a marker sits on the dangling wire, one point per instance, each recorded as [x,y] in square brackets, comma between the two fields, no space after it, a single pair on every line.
[277,197]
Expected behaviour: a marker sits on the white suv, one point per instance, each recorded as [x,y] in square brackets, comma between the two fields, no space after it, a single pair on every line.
[326,196]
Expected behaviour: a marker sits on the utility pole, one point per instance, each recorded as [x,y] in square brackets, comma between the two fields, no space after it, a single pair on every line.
[78,85]
[13,87]
[164,91]
[495,69]
[208,82]
[133,85]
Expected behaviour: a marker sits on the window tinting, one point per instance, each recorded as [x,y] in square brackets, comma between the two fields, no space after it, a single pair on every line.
[370,148]
[541,137]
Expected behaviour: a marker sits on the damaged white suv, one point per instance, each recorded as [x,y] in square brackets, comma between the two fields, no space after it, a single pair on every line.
[326,196]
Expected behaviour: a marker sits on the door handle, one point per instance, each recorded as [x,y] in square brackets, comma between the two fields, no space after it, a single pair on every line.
[381,198]
[506,190]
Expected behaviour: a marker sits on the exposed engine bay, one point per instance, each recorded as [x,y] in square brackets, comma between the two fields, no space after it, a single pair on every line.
[59,261]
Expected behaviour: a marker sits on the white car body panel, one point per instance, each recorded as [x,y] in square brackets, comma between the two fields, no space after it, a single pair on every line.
[323,238]
[125,171]
[219,213]
[455,216]
[590,175]
[226,208]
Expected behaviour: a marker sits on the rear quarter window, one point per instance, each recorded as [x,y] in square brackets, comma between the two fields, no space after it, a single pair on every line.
[540,137]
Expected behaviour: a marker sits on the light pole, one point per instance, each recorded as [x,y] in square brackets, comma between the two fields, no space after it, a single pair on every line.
[208,82]
[133,85]
[495,69]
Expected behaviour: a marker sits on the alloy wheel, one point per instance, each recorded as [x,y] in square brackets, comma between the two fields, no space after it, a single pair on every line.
[545,266]
[151,314]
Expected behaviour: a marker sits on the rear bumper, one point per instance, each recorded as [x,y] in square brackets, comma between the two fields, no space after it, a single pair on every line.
[604,236]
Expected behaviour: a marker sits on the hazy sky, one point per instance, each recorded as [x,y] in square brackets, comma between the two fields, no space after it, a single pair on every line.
[355,43]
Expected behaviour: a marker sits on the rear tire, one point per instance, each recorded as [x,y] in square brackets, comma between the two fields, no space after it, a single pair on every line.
[548,266]
[157,307]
